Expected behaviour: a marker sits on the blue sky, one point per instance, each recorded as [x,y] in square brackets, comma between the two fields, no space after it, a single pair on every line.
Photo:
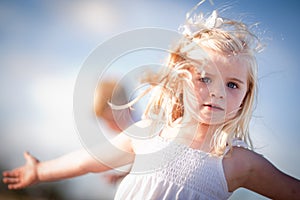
[44,44]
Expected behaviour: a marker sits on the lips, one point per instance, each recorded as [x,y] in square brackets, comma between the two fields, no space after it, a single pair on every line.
[213,107]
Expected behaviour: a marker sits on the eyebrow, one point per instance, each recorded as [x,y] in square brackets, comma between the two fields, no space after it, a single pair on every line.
[203,73]
[238,80]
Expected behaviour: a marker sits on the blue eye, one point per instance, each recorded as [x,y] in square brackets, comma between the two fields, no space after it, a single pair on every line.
[205,80]
[232,85]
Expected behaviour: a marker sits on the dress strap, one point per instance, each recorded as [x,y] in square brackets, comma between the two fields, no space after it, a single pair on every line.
[236,142]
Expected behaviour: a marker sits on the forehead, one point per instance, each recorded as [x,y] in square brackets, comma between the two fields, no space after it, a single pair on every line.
[232,66]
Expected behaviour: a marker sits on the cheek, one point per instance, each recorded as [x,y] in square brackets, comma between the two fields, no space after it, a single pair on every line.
[201,92]
[234,100]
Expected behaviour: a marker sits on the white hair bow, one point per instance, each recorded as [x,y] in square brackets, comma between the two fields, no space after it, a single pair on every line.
[199,22]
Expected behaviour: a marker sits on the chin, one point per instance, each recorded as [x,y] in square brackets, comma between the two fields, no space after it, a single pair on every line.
[212,122]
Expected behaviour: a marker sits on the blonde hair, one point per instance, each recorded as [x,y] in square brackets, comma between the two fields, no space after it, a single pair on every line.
[173,95]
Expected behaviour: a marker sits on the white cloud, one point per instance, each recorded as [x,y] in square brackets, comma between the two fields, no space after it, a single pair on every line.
[89,17]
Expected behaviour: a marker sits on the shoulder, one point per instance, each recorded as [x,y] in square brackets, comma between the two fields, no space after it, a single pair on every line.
[143,129]
[240,164]
[245,168]
[124,140]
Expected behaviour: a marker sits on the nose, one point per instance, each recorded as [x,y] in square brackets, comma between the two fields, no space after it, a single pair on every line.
[217,90]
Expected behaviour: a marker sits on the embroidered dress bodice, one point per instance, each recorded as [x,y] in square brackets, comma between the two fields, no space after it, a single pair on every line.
[164,169]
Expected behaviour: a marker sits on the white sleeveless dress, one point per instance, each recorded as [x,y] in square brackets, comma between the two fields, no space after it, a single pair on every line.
[166,170]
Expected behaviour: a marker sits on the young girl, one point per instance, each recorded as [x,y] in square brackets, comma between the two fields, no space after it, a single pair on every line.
[194,140]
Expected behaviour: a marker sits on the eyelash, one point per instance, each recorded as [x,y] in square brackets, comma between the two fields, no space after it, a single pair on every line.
[235,86]
[207,80]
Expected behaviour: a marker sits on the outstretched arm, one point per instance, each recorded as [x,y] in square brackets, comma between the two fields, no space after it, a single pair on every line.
[252,171]
[266,179]
[70,165]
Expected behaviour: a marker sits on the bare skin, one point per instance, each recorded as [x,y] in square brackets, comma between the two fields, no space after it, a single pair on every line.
[243,168]
[70,165]
[247,169]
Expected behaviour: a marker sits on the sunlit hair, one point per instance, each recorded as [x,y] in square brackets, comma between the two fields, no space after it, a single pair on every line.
[173,96]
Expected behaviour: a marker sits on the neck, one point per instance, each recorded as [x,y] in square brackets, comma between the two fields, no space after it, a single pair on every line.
[203,135]
[200,131]
[194,134]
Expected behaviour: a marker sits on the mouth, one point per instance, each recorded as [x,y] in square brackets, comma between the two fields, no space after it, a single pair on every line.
[213,107]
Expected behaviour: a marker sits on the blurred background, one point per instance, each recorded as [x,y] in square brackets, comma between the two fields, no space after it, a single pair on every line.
[43,45]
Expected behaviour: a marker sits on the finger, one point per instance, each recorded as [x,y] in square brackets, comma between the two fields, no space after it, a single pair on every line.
[10,180]
[13,173]
[5,173]
[29,158]
[27,155]
[15,186]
